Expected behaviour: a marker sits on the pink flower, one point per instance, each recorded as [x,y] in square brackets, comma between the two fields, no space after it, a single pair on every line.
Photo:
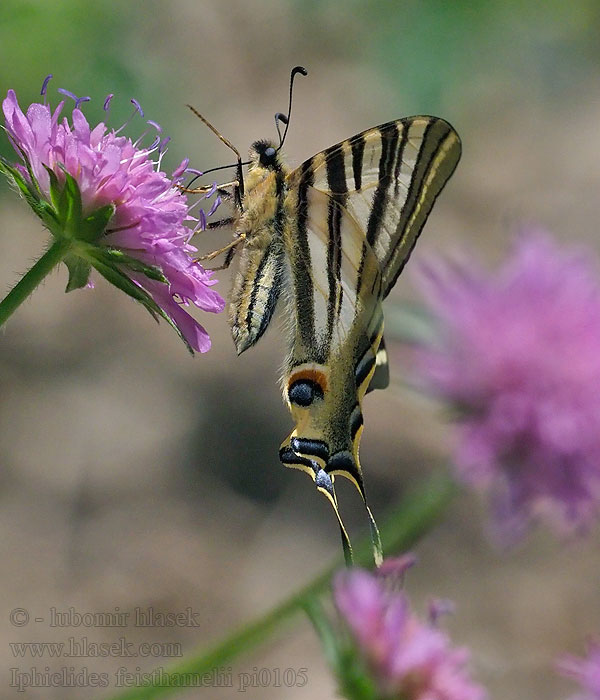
[585,671]
[147,212]
[408,658]
[518,357]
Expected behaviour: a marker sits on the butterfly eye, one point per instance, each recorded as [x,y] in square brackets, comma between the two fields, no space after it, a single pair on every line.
[304,391]
[270,152]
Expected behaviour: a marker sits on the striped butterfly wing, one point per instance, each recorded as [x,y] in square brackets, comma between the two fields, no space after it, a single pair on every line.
[336,322]
[388,179]
[359,208]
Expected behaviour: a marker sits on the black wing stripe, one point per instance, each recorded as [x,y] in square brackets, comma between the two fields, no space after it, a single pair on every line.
[364,367]
[388,153]
[421,166]
[356,421]
[343,462]
[310,448]
[399,156]
[386,159]
[302,268]
[336,180]
[358,148]
[434,139]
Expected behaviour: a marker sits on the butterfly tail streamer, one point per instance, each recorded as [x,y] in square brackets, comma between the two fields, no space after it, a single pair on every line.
[355,477]
[375,539]
[327,489]
[375,536]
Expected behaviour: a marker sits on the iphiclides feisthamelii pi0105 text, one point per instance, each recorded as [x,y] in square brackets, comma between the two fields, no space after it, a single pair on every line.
[329,240]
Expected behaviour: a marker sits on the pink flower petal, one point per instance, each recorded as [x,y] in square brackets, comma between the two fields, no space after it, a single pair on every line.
[518,354]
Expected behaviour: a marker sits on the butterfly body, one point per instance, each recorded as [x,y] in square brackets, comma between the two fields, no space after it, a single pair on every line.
[328,241]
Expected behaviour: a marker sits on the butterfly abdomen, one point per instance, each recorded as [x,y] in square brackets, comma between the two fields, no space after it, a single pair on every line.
[257,284]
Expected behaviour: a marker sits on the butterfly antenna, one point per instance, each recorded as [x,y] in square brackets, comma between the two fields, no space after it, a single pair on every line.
[240,178]
[285,119]
[220,136]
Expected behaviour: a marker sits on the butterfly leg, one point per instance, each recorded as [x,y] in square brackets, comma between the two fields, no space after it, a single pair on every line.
[220,190]
[229,247]
[229,221]
[228,259]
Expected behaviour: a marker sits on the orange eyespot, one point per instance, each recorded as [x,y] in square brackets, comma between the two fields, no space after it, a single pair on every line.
[311,374]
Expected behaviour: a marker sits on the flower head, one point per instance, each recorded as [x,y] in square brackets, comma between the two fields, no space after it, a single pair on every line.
[122,216]
[518,356]
[585,671]
[409,659]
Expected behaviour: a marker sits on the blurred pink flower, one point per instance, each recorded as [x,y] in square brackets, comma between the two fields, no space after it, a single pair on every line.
[149,211]
[408,658]
[585,671]
[518,357]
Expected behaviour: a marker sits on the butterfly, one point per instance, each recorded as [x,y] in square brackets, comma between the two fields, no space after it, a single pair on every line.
[327,242]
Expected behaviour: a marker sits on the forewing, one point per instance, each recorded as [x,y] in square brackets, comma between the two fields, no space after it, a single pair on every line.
[388,179]
[336,277]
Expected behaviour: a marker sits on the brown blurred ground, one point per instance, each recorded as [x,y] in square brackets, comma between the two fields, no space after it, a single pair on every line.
[135,476]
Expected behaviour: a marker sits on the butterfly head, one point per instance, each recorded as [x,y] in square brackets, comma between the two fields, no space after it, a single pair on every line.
[264,154]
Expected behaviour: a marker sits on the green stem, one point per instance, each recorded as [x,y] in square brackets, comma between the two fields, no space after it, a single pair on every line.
[412,518]
[32,278]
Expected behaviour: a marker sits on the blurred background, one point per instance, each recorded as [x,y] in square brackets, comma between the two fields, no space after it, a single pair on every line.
[133,475]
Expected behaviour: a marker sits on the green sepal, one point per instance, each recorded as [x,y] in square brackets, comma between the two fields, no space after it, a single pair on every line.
[94,226]
[79,272]
[26,188]
[32,184]
[69,208]
[115,256]
[122,282]
[354,679]
[66,200]
[55,188]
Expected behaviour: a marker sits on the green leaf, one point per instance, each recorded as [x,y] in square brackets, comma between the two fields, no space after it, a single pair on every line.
[79,272]
[94,225]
